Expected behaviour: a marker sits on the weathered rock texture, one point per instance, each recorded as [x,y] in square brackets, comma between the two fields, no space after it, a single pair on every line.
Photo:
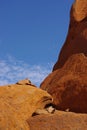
[59,121]
[80,10]
[76,41]
[17,104]
[68,85]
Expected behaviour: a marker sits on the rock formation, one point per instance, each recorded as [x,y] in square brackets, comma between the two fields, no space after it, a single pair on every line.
[25,82]
[68,81]
[68,85]
[76,41]
[18,103]
[80,10]
[23,106]
[58,121]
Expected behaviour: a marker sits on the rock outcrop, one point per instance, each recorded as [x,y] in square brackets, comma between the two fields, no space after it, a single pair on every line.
[25,82]
[80,10]
[18,103]
[23,106]
[58,121]
[68,85]
[68,81]
[76,41]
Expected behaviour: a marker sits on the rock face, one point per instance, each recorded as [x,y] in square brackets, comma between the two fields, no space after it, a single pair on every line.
[76,41]
[68,85]
[18,103]
[80,10]
[59,121]
[68,81]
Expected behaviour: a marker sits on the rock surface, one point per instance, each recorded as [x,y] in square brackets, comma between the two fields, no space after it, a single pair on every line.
[24,82]
[50,109]
[76,41]
[68,85]
[80,10]
[25,107]
[17,103]
[58,121]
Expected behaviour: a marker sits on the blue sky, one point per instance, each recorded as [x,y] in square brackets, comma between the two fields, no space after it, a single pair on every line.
[31,35]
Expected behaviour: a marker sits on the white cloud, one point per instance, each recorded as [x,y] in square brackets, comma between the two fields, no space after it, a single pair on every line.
[12,70]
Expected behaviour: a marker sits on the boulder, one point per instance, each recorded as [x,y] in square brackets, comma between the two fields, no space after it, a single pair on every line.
[18,103]
[58,121]
[80,10]
[76,41]
[68,85]
[24,82]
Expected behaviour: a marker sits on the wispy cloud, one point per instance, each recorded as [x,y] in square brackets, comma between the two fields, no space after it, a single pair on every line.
[12,70]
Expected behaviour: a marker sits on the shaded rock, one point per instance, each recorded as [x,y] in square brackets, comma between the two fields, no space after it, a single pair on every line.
[68,85]
[76,41]
[46,110]
[58,121]
[39,112]
[18,102]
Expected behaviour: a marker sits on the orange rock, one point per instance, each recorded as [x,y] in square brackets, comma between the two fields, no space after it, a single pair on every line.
[59,121]
[80,10]
[17,103]
[68,85]
[76,41]
[24,82]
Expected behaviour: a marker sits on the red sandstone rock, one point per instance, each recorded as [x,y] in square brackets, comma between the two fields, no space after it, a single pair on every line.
[68,85]
[76,41]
